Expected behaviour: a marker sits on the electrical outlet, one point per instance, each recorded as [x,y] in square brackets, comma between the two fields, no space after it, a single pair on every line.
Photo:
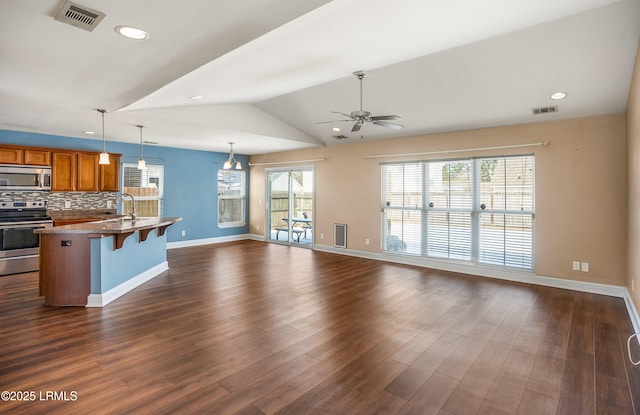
[576,266]
[367,241]
[109,204]
[584,267]
[67,204]
[322,236]
[257,227]
[184,233]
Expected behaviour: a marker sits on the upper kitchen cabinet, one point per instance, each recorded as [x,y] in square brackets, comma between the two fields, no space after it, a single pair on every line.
[80,172]
[87,172]
[11,155]
[37,157]
[25,155]
[110,174]
[63,172]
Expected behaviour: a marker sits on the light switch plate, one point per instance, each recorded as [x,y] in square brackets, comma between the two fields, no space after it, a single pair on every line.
[585,267]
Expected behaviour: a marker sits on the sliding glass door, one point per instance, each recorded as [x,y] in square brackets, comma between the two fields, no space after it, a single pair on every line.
[290,206]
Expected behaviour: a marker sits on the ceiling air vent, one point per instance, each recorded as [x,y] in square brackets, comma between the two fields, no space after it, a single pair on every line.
[79,16]
[544,110]
[340,137]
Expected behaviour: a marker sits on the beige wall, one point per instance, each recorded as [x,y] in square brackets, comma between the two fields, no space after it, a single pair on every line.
[633,151]
[581,190]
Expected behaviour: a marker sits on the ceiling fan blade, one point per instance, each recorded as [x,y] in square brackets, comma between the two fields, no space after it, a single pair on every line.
[342,113]
[328,122]
[384,117]
[389,125]
[356,127]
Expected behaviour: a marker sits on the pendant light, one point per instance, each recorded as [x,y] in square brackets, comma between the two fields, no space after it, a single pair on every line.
[142,165]
[104,156]
[231,160]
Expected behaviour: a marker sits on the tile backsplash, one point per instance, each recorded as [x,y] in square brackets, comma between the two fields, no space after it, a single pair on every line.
[56,200]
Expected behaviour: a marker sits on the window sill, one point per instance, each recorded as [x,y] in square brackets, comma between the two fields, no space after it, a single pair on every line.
[231,225]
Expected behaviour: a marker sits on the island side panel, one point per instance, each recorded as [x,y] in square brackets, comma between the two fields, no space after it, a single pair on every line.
[65,270]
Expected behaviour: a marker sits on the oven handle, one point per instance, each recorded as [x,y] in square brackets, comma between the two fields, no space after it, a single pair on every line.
[20,225]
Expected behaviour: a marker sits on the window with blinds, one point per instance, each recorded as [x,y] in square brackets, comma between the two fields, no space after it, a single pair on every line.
[479,210]
[146,186]
[231,198]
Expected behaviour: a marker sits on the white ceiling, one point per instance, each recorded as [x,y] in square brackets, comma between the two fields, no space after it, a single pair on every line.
[269,70]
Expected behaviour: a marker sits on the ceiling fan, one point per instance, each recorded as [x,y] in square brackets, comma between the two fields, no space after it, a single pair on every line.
[361,117]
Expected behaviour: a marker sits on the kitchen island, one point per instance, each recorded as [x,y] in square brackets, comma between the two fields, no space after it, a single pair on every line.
[91,264]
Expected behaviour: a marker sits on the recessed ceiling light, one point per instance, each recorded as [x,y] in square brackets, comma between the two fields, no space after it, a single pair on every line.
[558,95]
[197,97]
[336,129]
[89,132]
[132,32]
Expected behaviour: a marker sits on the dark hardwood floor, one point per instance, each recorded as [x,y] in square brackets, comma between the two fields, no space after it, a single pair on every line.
[256,328]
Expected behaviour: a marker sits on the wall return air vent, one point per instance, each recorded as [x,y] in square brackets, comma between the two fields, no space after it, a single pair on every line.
[79,16]
[544,110]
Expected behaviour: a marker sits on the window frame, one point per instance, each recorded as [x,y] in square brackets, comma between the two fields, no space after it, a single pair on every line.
[474,211]
[242,197]
[138,198]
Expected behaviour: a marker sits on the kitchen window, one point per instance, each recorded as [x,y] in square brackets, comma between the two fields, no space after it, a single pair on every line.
[479,210]
[146,186]
[231,198]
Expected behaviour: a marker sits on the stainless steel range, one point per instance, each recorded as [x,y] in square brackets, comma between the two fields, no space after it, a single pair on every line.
[19,246]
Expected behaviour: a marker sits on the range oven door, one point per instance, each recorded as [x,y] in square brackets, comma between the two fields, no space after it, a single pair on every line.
[18,239]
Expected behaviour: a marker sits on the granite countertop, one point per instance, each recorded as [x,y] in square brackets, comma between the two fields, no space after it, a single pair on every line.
[112,226]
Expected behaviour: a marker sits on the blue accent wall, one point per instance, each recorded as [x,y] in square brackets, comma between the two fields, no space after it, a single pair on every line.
[190,189]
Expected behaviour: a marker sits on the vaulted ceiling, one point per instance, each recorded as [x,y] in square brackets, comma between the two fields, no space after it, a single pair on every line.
[271,72]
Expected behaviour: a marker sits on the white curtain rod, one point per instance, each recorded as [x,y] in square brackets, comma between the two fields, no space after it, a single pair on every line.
[377,156]
[284,162]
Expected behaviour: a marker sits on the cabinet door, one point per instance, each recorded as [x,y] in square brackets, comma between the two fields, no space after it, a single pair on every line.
[37,157]
[87,171]
[110,175]
[63,172]
[10,155]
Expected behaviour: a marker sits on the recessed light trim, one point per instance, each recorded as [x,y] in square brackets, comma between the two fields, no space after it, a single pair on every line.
[131,32]
[558,95]
[89,132]
[336,129]
[195,97]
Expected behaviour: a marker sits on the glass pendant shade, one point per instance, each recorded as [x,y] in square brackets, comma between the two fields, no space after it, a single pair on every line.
[104,158]
[231,161]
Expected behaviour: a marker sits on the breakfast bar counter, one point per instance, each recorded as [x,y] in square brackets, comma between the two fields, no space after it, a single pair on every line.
[93,263]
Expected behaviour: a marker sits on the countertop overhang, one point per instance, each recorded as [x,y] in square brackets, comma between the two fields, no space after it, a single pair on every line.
[113,226]
[119,228]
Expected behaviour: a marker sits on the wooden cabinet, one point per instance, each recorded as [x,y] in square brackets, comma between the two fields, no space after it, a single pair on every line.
[25,155]
[63,177]
[110,175]
[80,172]
[87,172]
[11,155]
[71,171]
[37,157]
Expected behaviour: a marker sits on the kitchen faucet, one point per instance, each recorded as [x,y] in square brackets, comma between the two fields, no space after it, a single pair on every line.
[132,212]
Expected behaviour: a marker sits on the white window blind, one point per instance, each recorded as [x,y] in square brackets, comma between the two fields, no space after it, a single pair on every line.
[478,210]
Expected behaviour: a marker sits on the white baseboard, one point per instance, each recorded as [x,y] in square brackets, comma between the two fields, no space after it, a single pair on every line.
[207,241]
[101,300]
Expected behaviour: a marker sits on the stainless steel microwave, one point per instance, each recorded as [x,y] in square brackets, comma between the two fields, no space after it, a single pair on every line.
[16,177]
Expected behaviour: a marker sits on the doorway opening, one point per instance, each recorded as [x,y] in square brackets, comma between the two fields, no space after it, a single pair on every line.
[290,206]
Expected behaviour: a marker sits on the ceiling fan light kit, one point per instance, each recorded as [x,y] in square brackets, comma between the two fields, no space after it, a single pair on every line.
[361,117]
